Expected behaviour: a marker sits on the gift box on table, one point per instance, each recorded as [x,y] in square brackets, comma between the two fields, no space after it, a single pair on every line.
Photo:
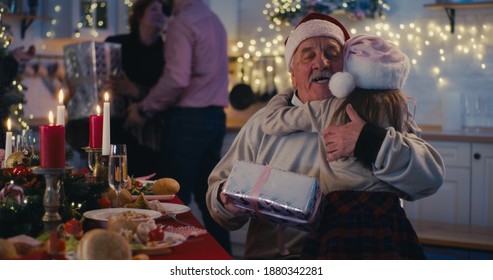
[89,65]
[280,196]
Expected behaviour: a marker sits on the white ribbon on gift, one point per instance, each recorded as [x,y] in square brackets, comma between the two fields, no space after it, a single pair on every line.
[257,188]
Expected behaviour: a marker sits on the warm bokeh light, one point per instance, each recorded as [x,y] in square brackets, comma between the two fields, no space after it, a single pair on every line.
[50,117]
[60,97]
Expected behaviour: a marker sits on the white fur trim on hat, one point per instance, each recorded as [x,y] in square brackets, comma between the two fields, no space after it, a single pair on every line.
[341,84]
[309,29]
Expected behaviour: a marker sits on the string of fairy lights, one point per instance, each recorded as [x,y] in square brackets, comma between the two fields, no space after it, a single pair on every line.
[433,41]
[421,41]
[90,19]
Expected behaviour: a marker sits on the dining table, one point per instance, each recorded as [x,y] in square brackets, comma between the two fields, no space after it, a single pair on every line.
[200,247]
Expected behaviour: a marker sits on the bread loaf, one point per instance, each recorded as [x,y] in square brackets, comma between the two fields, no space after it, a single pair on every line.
[7,250]
[124,197]
[101,244]
[165,186]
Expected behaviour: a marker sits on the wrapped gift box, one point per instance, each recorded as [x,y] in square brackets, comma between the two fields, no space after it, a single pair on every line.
[88,66]
[280,196]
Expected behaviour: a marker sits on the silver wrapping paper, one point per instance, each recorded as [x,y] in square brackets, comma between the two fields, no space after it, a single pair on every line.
[285,197]
[89,65]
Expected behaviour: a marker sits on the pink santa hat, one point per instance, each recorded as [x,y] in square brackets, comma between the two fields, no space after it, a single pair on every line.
[370,62]
[314,25]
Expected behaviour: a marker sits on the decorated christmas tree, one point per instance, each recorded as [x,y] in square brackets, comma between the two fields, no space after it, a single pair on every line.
[11,90]
[21,191]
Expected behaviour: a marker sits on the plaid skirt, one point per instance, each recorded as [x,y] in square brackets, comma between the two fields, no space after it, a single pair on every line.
[362,225]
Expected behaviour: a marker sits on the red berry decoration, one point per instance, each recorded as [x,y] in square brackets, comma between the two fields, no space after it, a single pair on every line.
[20,170]
[73,227]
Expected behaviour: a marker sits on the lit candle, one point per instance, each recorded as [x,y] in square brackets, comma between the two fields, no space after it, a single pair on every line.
[106,126]
[8,142]
[96,129]
[60,110]
[52,145]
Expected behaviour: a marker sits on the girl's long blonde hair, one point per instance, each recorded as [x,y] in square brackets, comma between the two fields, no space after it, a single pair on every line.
[383,108]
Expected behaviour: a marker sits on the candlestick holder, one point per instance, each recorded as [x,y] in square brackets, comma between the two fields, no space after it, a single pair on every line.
[98,164]
[51,198]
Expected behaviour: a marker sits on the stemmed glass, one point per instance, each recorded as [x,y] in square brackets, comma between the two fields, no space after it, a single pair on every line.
[117,169]
[26,146]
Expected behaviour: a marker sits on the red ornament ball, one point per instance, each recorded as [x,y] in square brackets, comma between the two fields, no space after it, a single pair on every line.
[21,170]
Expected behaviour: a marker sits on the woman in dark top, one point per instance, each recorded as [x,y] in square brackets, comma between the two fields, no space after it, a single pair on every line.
[142,63]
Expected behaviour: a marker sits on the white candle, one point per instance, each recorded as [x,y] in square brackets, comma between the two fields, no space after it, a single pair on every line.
[60,110]
[8,142]
[106,126]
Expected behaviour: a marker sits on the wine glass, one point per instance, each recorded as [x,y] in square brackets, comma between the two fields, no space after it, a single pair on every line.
[117,169]
[26,146]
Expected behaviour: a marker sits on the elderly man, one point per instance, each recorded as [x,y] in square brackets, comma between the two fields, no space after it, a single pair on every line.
[314,53]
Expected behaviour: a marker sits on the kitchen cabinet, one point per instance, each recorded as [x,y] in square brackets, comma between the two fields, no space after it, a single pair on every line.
[466,197]
[482,185]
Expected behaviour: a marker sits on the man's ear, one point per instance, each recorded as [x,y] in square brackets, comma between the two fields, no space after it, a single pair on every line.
[293,80]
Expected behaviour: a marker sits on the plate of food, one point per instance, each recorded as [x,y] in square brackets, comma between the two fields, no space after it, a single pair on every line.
[136,215]
[159,247]
[161,189]
[152,239]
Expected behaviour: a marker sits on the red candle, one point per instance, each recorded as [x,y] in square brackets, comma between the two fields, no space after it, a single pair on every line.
[96,130]
[52,145]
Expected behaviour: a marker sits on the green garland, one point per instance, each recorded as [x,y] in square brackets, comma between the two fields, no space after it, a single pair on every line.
[78,194]
[289,12]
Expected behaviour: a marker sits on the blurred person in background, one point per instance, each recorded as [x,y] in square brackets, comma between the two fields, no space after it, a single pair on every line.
[142,63]
[191,95]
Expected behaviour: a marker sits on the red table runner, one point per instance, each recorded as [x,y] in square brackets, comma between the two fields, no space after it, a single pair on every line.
[202,247]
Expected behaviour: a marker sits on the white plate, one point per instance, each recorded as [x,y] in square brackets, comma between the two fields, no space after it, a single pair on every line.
[104,214]
[175,208]
[162,197]
[170,239]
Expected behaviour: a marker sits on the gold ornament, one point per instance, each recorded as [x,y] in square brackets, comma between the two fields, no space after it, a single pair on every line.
[14,159]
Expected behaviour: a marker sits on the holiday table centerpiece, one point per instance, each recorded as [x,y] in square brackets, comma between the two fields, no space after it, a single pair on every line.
[21,199]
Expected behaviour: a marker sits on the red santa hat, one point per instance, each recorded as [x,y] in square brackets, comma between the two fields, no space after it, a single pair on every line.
[314,25]
[370,62]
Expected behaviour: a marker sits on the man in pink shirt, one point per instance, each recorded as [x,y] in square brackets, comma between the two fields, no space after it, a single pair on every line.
[191,95]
